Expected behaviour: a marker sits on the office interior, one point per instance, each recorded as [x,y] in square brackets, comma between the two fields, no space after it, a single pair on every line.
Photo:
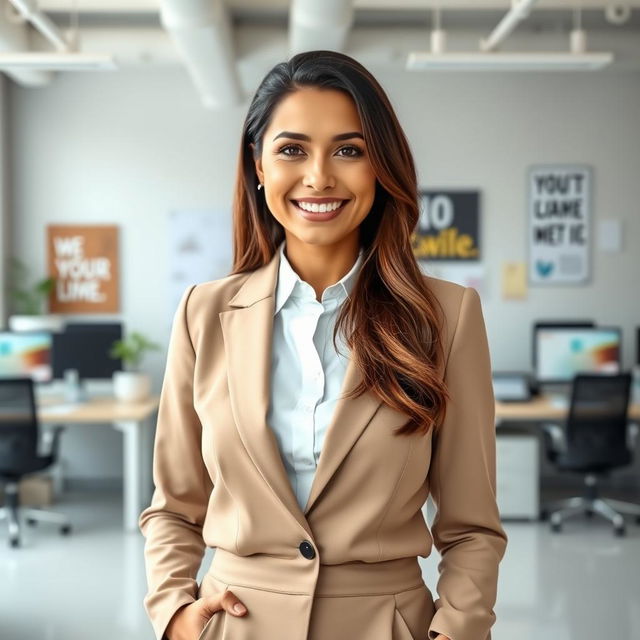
[132,145]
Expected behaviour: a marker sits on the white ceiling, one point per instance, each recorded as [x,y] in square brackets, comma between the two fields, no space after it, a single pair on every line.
[481,14]
[132,6]
[130,29]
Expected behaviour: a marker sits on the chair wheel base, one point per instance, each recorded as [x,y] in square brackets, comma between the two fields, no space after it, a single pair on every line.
[31,522]
[14,542]
[619,531]
[65,529]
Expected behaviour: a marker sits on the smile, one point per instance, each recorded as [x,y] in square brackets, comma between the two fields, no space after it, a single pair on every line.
[320,213]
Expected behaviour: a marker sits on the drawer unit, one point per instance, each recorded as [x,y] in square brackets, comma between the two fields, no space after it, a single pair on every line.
[518,475]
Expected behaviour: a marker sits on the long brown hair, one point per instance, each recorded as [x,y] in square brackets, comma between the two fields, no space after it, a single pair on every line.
[389,322]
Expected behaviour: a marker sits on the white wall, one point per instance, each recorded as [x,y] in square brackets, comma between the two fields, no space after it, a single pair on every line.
[127,147]
[5,230]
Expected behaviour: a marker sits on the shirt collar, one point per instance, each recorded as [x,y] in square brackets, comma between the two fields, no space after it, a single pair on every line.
[291,285]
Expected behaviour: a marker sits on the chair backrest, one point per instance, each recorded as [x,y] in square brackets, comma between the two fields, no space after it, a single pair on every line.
[598,417]
[18,425]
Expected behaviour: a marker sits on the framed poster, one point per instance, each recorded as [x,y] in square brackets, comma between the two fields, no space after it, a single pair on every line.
[559,224]
[448,227]
[84,261]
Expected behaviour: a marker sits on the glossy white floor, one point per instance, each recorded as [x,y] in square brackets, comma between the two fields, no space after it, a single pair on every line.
[581,584]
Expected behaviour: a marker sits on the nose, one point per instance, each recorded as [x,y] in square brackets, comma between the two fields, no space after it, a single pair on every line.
[318,176]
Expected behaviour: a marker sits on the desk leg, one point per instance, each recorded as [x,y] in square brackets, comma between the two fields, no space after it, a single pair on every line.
[56,471]
[147,460]
[132,432]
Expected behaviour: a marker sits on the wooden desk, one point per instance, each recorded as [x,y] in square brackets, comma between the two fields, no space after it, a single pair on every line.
[541,408]
[135,421]
[517,455]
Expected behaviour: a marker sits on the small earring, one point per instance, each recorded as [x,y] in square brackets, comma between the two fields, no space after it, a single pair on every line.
[260,186]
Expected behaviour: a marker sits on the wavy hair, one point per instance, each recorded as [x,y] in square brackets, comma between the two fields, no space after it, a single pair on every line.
[390,321]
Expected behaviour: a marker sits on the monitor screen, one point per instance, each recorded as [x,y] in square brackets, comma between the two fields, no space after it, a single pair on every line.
[86,349]
[563,352]
[26,354]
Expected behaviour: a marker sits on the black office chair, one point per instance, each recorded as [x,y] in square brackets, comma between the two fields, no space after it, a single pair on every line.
[596,439]
[19,435]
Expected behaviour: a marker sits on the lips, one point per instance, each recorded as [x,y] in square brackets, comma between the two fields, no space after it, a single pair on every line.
[337,199]
[320,216]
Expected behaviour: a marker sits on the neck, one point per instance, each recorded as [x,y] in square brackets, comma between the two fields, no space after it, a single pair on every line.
[322,265]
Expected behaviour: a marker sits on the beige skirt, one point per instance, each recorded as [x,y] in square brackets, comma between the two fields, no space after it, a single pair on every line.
[352,601]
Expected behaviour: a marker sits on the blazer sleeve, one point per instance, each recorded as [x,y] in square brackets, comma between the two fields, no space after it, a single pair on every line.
[172,523]
[466,528]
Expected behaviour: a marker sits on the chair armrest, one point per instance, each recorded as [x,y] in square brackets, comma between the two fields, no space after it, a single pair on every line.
[632,435]
[51,439]
[556,435]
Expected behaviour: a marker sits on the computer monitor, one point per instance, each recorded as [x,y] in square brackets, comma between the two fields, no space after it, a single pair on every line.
[565,351]
[26,353]
[115,327]
[87,351]
[546,324]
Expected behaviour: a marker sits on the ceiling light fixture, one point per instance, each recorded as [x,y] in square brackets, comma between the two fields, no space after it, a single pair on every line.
[576,59]
[57,61]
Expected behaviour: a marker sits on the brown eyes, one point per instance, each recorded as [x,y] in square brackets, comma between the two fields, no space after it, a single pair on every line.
[357,151]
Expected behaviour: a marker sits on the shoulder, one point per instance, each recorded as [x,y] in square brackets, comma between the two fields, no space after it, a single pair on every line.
[211,297]
[448,295]
[459,305]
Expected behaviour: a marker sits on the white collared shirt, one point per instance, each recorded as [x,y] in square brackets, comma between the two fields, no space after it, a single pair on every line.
[306,371]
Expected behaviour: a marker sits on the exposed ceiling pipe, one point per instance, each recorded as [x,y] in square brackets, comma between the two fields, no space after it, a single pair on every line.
[29,10]
[518,12]
[14,37]
[202,33]
[319,25]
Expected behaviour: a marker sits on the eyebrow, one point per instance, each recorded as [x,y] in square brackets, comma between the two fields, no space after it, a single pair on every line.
[302,136]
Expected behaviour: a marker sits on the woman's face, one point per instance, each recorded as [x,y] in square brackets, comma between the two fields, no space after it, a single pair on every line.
[302,159]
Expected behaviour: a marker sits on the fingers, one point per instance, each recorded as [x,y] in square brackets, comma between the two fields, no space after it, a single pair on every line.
[227,601]
[231,603]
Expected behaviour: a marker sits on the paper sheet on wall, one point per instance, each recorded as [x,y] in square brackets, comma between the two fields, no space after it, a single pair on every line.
[514,280]
[609,236]
[200,249]
[463,273]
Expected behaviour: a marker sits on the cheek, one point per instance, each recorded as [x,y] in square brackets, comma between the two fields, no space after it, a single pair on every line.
[366,193]
[280,174]
[362,179]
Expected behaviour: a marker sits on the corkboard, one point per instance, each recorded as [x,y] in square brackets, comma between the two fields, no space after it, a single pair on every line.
[84,259]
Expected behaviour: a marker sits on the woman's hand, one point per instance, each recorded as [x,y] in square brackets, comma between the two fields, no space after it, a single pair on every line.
[188,622]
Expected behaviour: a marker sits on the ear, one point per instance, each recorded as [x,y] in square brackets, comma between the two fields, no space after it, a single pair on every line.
[258,163]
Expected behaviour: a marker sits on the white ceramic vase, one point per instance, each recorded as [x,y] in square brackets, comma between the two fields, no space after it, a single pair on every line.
[131,386]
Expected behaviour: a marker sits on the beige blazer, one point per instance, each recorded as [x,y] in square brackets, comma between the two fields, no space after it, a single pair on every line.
[346,567]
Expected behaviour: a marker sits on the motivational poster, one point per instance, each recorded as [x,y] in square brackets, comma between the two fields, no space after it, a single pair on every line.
[84,261]
[448,226]
[559,224]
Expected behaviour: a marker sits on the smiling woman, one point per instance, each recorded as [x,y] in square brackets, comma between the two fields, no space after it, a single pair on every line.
[325,176]
[317,395]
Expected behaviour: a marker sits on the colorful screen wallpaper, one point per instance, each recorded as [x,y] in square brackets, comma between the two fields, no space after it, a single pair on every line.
[26,354]
[564,352]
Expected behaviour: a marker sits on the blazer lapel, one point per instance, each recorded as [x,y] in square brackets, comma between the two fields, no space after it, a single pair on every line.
[349,420]
[248,337]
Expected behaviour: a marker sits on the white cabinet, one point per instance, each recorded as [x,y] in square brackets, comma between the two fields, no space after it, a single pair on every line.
[517,475]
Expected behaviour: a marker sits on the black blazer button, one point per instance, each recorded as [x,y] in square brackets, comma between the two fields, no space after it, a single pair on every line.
[307,550]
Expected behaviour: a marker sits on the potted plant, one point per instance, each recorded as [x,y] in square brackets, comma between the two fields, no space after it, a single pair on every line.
[132,385]
[28,301]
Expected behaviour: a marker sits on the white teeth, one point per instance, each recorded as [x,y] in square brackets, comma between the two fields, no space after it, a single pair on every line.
[321,208]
